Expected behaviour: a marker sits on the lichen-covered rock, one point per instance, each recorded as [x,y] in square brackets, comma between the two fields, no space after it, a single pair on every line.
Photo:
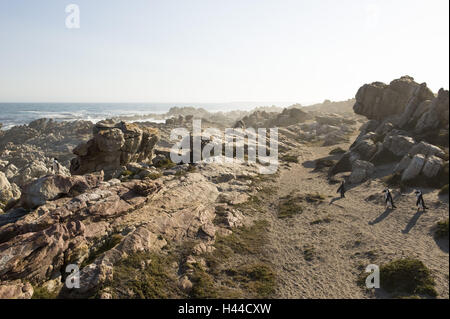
[113,146]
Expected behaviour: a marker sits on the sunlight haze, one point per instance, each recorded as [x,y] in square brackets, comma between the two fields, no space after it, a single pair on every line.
[218,51]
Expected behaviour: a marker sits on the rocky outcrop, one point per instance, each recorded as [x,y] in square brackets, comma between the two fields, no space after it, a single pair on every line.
[414,168]
[140,215]
[263,119]
[379,101]
[113,146]
[9,193]
[53,187]
[361,170]
[405,120]
[15,290]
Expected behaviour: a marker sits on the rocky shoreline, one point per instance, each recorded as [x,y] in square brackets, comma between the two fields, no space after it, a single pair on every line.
[118,194]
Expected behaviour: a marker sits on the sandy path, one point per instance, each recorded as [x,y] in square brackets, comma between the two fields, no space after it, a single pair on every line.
[360,233]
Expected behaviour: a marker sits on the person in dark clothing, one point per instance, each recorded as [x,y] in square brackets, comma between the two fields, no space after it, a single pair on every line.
[341,189]
[388,199]
[420,203]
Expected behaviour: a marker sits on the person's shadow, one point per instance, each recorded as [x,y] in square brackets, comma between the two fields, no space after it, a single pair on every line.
[381,217]
[412,222]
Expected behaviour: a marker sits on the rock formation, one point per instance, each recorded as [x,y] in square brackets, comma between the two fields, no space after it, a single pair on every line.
[113,146]
[406,119]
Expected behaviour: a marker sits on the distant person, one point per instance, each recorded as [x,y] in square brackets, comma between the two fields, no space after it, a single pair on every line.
[341,189]
[56,166]
[420,203]
[388,199]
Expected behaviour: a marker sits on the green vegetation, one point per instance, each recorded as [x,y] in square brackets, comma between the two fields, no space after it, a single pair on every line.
[442,229]
[165,163]
[146,276]
[259,279]
[127,173]
[289,158]
[43,293]
[407,276]
[252,277]
[243,240]
[203,284]
[108,244]
[154,176]
[289,207]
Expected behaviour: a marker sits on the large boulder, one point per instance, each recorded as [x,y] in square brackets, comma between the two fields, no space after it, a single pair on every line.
[53,187]
[427,150]
[399,145]
[361,170]
[432,166]
[379,101]
[437,114]
[113,146]
[414,168]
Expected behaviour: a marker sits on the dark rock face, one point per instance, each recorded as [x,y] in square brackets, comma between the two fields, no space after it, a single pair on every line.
[378,101]
[114,145]
[406,119]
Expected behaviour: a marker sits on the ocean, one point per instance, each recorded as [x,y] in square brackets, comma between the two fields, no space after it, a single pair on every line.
[12,114]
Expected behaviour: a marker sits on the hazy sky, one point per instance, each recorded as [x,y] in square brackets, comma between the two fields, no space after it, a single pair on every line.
[218,51]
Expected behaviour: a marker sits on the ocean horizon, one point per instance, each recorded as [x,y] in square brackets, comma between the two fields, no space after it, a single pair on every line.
[13,114]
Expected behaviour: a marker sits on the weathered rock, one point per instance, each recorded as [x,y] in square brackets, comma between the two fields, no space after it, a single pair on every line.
[403,164]
[427,150]
[414,168]
[146,188]
[432,166]
[437,114]
[365,149]
[114,145]
[5,189]
[361,170]
[398,145]
[379,101]
[15,290]
[54,186]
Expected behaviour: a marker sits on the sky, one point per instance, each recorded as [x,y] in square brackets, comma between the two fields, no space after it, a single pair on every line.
[267,51]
